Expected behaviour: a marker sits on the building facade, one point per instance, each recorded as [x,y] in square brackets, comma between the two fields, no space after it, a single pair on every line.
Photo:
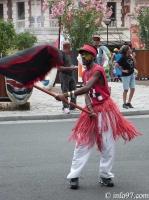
[28,15]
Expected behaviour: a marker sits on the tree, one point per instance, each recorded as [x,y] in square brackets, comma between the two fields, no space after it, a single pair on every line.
[12,42]
[141,19]
[7,35]
[24,40]
[79,22]
[21,41]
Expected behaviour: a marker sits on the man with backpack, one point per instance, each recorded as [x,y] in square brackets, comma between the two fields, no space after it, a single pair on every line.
[101,58]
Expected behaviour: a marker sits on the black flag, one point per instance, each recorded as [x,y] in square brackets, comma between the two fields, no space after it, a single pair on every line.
[31,65]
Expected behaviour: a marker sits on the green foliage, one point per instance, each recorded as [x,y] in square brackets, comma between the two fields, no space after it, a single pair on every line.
[79,21]
[80,29]
[10,42]
[7,35]
[24,40]
[107,70]
[11,51]
[143,19]
[141,16]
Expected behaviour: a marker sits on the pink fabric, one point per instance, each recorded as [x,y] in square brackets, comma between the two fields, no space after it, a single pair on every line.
[56,43]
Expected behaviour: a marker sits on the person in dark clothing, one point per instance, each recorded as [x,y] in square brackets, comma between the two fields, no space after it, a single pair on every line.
[128,63]
[66,77]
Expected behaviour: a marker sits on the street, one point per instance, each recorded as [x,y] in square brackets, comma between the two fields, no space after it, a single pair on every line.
[35,159]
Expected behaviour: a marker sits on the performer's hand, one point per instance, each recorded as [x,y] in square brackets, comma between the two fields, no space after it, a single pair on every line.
[57,97]
[93,115]
[60,97]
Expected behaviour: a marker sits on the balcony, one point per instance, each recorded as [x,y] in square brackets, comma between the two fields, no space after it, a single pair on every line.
[20,23]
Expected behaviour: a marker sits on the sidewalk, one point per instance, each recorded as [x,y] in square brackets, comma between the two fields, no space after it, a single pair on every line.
[45,107]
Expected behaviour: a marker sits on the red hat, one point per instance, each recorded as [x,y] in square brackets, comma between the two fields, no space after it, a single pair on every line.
[89,49]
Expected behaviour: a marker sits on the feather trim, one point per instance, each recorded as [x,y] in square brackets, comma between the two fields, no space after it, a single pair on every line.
[87,130]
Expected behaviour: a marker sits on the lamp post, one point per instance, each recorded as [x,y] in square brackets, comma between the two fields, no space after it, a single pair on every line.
[107,23]
[59,32]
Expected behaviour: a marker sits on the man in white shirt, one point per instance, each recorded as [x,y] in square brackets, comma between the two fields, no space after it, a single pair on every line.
[101,58]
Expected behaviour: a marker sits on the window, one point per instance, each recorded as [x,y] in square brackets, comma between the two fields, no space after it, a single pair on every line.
[80,4]
[21,10]
[113,4]
[1,11]
[50,9]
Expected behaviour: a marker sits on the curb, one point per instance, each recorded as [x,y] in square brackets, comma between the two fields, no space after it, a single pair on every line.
[38,117]
[53,116]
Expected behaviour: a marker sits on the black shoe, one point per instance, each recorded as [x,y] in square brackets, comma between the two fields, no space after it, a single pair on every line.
[129,105]
[125,105]
[74,183]
[106,182]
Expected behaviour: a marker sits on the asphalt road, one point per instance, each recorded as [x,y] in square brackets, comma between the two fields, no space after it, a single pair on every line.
[35,159]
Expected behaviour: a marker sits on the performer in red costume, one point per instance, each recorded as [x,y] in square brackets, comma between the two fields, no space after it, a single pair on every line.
[103,126]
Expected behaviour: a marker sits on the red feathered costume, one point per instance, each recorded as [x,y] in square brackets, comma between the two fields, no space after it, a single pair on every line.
[87,129]
[102,130]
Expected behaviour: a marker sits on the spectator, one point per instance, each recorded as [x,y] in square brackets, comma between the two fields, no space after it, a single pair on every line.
[66,77]
[128,63]
[101,58]
[113,76]
[116,56]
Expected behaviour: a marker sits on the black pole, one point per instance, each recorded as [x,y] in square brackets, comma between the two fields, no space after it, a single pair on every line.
[59,33]
[74,62]
[107,23]
[107,36]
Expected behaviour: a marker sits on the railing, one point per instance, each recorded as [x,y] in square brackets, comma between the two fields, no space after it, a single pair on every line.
[20,23]
[113,24]
[54,23]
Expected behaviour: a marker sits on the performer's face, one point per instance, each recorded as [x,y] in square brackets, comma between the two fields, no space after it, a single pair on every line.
[87,58]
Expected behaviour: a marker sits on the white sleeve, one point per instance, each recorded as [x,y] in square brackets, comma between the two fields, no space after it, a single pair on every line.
[79,59]
[105,59]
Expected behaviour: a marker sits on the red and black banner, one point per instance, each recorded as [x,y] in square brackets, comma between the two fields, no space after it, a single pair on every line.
[31,65]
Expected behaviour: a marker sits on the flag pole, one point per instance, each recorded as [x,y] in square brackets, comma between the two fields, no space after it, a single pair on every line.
[65,100]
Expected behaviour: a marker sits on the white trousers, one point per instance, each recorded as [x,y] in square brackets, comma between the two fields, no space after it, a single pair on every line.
[82,154]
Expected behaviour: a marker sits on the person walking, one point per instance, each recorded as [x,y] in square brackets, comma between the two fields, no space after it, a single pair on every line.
[103,126]
[66,77]
[127,64]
